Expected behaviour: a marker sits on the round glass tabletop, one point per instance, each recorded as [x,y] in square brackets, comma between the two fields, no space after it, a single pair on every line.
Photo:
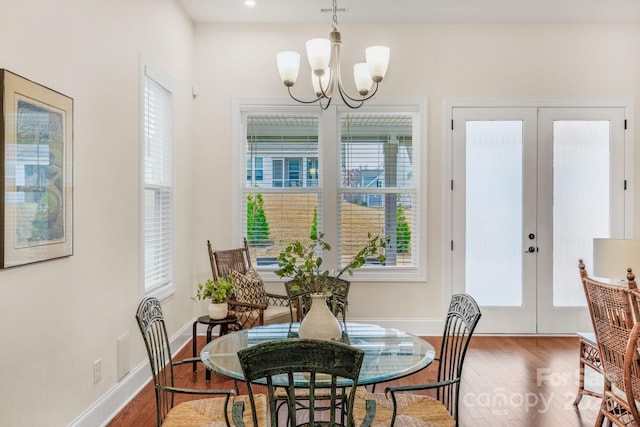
[389,353]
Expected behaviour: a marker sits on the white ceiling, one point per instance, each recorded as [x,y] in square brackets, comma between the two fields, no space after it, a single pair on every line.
[416,11]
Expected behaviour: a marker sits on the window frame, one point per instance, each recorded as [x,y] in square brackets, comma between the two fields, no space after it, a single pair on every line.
[329,132]
[153,72]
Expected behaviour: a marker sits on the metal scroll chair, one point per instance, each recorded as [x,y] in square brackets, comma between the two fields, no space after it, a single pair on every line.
[251,304]
[614,312]
[407,409]
[300,300]
[313,364]
[191,413]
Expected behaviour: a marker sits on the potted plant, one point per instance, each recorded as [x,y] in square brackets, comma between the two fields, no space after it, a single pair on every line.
[217,291]
[303,264]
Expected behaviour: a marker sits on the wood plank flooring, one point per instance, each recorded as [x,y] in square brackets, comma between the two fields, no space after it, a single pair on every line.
[507,381]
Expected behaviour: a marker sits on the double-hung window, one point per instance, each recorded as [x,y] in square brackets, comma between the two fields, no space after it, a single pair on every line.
[342,172]
[158,201]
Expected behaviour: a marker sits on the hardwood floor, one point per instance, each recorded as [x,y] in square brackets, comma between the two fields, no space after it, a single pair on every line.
[507,381]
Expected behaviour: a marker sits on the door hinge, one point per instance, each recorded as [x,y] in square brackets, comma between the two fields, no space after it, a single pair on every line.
[625,184]
[625,124]
[451,124]
[451,185]
[452,245]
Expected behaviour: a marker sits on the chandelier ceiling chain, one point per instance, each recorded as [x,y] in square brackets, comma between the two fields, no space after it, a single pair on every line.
[324,59]
[335,14]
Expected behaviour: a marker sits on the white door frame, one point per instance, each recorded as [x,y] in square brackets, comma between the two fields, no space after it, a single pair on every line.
[449,104]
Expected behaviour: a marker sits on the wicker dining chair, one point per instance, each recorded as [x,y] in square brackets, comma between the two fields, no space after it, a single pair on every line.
[250,303]
[197,412]
[316,365]
[614,313]
[300,299]
[409,409]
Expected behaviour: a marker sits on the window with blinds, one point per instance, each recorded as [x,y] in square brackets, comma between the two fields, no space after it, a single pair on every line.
[343,173]
[281,192]
[377,193]
[158,182]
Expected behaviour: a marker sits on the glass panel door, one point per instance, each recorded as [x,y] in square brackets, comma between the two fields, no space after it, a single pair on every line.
[494,215]
[531,188]
[581,152]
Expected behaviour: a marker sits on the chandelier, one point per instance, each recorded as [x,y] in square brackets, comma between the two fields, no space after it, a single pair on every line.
[324,59]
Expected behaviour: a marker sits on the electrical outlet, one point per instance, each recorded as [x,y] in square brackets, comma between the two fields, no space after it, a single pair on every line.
[97,371]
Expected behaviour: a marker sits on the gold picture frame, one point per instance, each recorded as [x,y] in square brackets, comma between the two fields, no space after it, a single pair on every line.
[36,147]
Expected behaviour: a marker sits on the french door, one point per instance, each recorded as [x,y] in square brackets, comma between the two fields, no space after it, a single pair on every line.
[531,188]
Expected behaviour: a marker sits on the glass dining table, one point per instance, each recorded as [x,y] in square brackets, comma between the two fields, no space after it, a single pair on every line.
[389,353]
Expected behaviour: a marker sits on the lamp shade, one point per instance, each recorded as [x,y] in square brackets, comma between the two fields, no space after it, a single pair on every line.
[319,55]
[288,66]
[612,257]
[362,78]
[377,58]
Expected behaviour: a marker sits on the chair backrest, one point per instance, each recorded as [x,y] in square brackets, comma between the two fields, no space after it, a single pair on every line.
[223,261]
[304,362]
[462,317]
[156,340]
[614,313]
[632,370]
[338,302]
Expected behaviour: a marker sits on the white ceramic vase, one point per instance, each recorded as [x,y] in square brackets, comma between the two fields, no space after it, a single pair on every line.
[218,311]
[320,323]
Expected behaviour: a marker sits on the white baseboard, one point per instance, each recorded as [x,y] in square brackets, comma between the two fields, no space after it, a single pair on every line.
[118,396]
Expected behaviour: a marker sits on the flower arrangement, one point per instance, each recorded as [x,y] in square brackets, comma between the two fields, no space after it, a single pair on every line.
[216,290]
[303,264]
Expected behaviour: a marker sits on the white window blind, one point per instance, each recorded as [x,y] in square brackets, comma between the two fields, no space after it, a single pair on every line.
[158,183]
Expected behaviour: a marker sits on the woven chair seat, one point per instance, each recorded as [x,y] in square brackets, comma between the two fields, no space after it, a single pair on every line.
[414,410]
[210,413]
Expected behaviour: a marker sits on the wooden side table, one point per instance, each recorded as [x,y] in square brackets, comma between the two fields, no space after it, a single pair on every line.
[589,356]
[206,320]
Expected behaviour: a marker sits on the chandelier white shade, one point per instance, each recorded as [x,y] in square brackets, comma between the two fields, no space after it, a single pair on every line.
[288,66]
[324,59]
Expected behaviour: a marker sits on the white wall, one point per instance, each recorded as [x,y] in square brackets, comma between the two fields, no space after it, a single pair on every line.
[57,317]
[435,61]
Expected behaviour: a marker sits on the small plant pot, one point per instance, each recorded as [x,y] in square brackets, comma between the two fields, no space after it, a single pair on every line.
[218,311]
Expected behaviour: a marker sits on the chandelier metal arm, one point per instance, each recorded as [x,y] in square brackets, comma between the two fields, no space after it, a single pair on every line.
[318,100]
[360,101]
[302,100]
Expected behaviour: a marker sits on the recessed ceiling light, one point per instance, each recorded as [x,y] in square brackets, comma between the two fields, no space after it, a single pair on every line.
[249,3]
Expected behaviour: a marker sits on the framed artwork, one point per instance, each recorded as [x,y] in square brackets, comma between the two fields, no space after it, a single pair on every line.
[36,148]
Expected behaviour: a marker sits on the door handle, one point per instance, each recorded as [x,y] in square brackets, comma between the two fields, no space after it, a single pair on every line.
[530,250]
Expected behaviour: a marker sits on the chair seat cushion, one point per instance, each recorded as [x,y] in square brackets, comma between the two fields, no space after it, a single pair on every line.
[272,314]
[414,410]
[210,412]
